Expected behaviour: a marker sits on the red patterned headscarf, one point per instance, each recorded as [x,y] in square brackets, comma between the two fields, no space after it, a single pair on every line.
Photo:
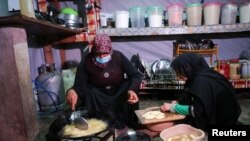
[102,44]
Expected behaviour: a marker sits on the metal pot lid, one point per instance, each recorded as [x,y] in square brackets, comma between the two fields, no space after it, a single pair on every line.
[161,66]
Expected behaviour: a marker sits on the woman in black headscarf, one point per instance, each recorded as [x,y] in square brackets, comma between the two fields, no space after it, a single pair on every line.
[107,84]
[208,97]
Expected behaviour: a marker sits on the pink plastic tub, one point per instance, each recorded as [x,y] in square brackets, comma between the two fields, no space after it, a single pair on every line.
[182,130]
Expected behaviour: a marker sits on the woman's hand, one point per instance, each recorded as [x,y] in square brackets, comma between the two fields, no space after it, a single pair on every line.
[166,107]
[132,97]
[72,98]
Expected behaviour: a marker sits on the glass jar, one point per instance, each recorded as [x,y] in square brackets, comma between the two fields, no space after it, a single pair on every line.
[235,69]
[224,68]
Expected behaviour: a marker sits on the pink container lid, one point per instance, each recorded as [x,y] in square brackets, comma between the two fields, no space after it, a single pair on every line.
[212,3]
[176,4]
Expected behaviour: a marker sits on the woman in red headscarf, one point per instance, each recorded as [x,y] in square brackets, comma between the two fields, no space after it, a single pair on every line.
[107,84]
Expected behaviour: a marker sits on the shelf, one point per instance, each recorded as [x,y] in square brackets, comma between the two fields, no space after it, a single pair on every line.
[150,31]
[202,51]
[48,31]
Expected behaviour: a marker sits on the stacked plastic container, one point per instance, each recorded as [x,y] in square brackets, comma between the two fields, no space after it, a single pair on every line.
[194,14]
[212,13]
[155,16]
[137,15]
[229,13]
[175,13]
[245,12]
[121,19]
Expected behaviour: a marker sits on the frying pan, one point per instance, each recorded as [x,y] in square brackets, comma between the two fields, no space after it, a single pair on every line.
[57,125]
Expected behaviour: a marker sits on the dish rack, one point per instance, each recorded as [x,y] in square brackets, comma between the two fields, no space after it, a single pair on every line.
[211,53]
[163,81]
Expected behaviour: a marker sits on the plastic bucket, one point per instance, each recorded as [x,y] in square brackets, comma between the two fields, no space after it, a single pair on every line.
[212,13]
[229,13]
[136,15]
[121,19]
[245,12]
[175,12]
[155,14]
[194,14]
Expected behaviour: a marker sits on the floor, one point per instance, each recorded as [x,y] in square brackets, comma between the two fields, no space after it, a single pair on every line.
[149,100]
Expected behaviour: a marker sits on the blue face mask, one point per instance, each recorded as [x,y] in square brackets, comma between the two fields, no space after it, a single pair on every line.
[103,60]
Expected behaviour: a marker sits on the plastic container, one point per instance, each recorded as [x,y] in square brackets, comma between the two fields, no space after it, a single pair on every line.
[68,79]
[229,13]
[194,14]
[27,8]
[224,68]
[4,8]
[137,15]
[121,19]
[104,19]
[175,13]
[235,69]
[212,13]
[155,16]
[182,129]
[245,12]
[158,127]
[245,69]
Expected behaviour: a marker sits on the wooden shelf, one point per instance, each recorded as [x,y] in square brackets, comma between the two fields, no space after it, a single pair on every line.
[48,31]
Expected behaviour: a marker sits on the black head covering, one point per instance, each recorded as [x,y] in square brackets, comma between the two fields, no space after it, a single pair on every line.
[188,64]
[210,93]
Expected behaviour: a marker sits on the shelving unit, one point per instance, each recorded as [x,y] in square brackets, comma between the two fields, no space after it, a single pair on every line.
[150,31]
[49,32]
[173,33]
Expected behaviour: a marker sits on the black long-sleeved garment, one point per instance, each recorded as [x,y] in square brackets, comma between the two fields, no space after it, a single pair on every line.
[103,91]
[210,94]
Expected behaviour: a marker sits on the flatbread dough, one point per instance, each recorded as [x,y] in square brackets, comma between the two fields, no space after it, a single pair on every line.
[153,115]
